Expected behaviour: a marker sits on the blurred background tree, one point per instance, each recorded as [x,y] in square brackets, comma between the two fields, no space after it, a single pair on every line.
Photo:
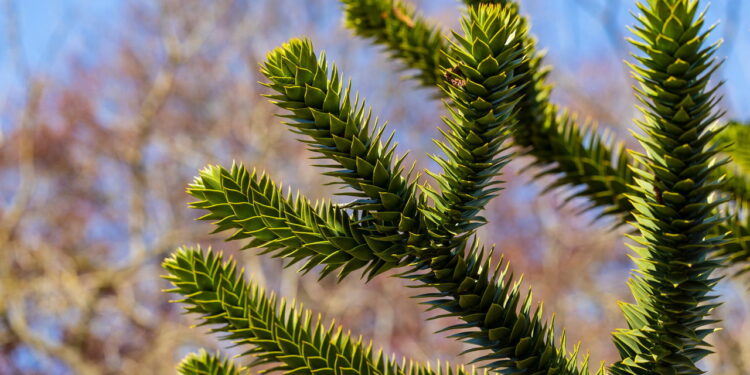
[108,108]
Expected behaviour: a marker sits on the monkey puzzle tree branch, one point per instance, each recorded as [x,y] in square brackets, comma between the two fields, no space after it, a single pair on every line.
[406,35]
[203,363]
[736,250]
[493,79]
[673,283]
[256,209]
[734,141]
[576,156]
[497,317]
[342,132]
[482,85]
[483,88]
[281,335]
[483,110]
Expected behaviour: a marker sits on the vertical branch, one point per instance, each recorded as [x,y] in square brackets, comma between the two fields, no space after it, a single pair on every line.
[673,208]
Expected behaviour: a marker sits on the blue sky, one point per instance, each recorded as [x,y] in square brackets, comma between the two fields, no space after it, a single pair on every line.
[54,28]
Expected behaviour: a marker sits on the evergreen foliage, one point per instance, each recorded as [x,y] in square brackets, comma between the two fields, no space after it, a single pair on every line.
[735,140]
[292,228]
[408,37]
[493,81]
[203,363]
[673,212]
[736,251]
[282,335]
[343,133]
[483,87]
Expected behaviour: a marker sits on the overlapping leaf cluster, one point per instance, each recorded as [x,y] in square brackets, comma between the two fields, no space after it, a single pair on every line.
[673,212]
[203,363]
[494,85]
[343,133]
[291,228]
[578,157]
[408,37]
[498,317]
[282,336]
[736,250]
[594,167]
[482,85]
[736,141]
[483,109]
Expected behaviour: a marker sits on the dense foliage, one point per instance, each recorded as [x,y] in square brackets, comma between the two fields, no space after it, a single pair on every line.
[682,194]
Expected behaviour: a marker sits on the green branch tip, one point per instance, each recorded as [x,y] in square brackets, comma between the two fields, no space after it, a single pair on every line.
[203,363]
